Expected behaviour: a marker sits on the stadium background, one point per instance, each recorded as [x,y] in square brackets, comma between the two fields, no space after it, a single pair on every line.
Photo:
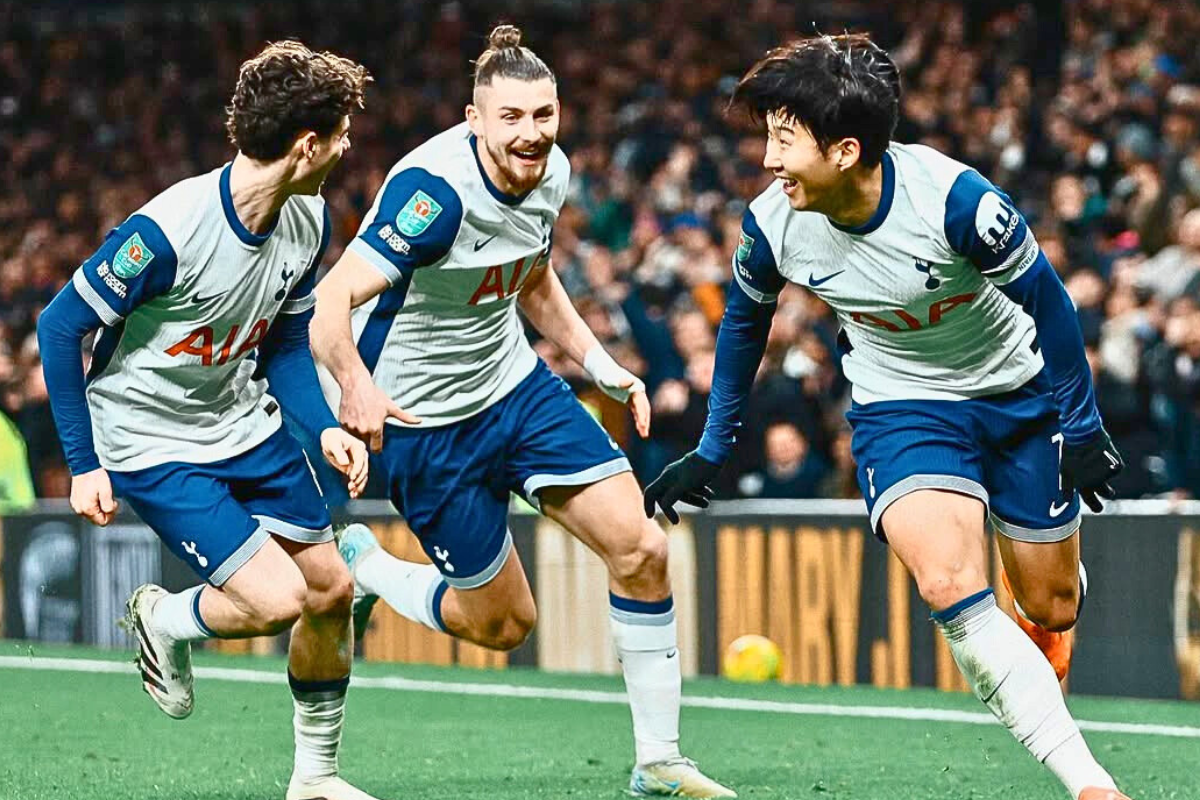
[1086,111]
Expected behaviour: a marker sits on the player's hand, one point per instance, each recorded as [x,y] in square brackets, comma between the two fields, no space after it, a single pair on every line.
[685,480]
[1089,467]
[621,385]
[348,455]
[92,497]
[364,411]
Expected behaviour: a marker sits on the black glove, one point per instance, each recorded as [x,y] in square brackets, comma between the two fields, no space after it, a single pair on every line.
[684,480]
[1089,467]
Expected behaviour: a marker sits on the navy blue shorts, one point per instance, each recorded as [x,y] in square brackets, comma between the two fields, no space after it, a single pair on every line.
[1004,450]
[452,482]
[216,516]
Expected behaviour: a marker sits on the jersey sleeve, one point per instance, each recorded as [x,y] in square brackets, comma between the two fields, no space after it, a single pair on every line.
[301,297]
[135,264]
[983,225]
[414,224]
[754,266]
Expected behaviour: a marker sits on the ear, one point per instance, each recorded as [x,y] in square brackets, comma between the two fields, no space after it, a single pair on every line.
[306,145]
[847,153]
[475,119]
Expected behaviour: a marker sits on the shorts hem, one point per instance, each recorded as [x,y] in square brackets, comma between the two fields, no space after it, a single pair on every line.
[488,573]
[294,532]
[239,557]
[1020,533]
[952,483]
[535,483]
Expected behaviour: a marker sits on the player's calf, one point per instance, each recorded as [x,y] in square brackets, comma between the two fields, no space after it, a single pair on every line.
[1051,604]
[506,629]
[637,562]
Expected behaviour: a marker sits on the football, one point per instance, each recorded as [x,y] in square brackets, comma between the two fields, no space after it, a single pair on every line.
[752,659]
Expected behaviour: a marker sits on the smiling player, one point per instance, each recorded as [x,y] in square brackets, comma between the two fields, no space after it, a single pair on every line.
[972,396]
[459,238]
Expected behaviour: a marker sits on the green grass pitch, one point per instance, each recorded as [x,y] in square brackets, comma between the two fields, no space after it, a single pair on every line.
[70,735]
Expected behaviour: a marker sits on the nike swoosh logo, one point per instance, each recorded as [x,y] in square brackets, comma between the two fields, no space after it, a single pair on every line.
[814,282]
[482,243]
[672,654]
[1111,459]
[198,299]
[1055,509]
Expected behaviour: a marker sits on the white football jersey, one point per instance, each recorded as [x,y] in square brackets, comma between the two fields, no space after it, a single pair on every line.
[187,293]
[444,341]
[915,287]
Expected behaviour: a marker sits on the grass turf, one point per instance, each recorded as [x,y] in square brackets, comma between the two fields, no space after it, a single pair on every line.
[94,736]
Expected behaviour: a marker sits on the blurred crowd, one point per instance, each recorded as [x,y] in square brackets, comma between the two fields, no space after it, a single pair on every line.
[1085,111]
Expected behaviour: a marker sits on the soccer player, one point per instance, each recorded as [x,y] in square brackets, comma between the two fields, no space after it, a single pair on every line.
[971,394]
[202,299]
[458,238]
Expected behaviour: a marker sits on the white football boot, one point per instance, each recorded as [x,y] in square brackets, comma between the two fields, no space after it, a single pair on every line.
[675,777]
[166,668]
[326,789]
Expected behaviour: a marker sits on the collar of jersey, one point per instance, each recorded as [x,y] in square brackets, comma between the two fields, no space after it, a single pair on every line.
[885,201]
[243,233]
[493,190]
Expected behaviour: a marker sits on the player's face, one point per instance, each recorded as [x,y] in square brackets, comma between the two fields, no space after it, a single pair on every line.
[793,156]
[516,121]
[320,154]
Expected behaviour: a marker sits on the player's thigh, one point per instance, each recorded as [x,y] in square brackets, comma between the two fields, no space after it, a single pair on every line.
[269,586]
[275,484]
[607,516]
[903,447]
[939,536]
[192,510]
[1041,569]
[506,596]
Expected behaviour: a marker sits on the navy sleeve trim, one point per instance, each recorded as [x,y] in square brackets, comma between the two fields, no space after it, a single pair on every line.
[135,264]
[416,221]
[61,329]
[741,342]
[1041,294]
[982,224]
[754,265]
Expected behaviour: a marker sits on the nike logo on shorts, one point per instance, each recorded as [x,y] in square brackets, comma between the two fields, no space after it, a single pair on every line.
[1056,509]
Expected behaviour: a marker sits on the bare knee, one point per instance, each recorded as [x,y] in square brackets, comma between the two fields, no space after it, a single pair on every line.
[276,611]
[642,564]
[331,599]
[1054,608]
[509,630]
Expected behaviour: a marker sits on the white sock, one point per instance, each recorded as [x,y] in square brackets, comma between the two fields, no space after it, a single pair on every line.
[317,723]
[1014,680]
[646,642]
[413,590]
[177,617]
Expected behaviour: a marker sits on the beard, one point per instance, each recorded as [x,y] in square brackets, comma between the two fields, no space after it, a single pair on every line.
[522,177]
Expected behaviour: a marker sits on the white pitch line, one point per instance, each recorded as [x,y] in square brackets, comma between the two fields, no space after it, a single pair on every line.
[601,697]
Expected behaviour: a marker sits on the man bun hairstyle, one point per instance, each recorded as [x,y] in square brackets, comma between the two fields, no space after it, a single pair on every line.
[835,86]
[505,57]
[288,89]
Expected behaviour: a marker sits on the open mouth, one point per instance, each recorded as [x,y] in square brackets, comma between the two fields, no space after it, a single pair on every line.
[790,185]
[529,156]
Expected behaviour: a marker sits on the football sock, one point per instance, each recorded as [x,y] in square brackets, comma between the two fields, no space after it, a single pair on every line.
[413,590]
[646,642]
[1014,680]
[177,617]
[317,722]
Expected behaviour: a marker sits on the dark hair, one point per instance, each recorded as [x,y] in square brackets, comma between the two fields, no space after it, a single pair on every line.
[835,86]
[506,58]
[288,89]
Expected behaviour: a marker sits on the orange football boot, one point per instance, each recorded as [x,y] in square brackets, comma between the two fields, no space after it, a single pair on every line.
[1093,793]
[1057,646]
